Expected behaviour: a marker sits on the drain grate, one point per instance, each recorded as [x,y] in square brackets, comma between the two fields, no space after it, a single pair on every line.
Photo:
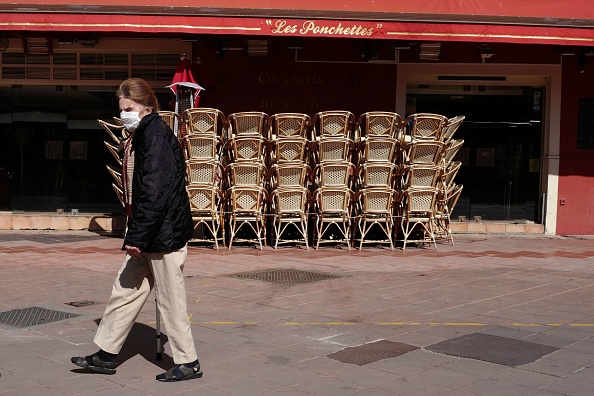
[372,352]
[33,316]
[283,276]
[83,303]
[493,349]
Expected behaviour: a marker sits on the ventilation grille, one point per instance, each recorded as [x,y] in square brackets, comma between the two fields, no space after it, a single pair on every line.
[88,66]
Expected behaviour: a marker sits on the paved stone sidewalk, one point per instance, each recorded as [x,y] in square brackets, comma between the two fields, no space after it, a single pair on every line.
[492,315]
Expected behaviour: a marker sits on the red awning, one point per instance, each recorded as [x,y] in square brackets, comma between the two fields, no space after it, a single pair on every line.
[527,21]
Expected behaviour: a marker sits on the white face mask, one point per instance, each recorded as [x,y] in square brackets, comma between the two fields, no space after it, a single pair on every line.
[130,119]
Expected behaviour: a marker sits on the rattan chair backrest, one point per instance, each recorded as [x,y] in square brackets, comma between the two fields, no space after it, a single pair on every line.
[289,149]
[289,125]
[334,173]
[333,123]
[334,149]
[451,149]
[204,120]
[246,148]
[450,173]
[420,201]
[334,200]
[453,196]
[425,126]
[246,173]
[376,174]
[289,174]
[420,175]
[376,201]
[113,149]
[204,199]
[119,192]
[423,152]
[377,148]
[202,146]
[246,200]
[248,123]
[171,118]
[379,124]
[116,132]
[452,126]
[290,200]
[116,173]
[205,172]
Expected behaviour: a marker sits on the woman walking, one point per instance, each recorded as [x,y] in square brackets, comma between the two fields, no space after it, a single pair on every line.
[159,227]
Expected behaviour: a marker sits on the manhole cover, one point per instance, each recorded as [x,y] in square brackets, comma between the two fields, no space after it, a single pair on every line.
[371,352]
[33,316]
[286,276]
[494,349]
[84,303]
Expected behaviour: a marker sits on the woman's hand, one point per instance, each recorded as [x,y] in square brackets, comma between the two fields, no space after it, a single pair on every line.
[132,251]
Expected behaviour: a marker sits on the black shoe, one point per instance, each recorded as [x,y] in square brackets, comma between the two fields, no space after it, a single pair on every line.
[181,372]
[97,364]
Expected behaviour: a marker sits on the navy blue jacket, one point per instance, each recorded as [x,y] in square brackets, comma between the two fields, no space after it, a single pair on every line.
[160,219]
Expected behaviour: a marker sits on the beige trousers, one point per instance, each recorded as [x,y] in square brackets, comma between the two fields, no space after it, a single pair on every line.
[131,290]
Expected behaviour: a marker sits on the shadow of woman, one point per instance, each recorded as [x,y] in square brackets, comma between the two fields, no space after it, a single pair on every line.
[141,341]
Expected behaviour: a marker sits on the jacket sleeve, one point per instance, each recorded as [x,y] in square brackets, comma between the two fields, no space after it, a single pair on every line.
[156,187]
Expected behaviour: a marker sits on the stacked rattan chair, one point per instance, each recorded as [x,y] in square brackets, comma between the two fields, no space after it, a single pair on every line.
[203,139]
[118,134]
[246,196]
[289,177]
[426,178]
[332,142]
[378,147]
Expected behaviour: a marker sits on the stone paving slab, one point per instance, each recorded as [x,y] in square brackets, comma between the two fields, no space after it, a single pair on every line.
[261,338]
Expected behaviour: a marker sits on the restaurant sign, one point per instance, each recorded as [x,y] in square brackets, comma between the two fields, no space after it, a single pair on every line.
[322,28]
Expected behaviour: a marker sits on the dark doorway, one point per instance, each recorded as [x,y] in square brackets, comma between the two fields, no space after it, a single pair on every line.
[501,154]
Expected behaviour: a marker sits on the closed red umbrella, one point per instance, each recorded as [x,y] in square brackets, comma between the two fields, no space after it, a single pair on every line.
[184,87]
